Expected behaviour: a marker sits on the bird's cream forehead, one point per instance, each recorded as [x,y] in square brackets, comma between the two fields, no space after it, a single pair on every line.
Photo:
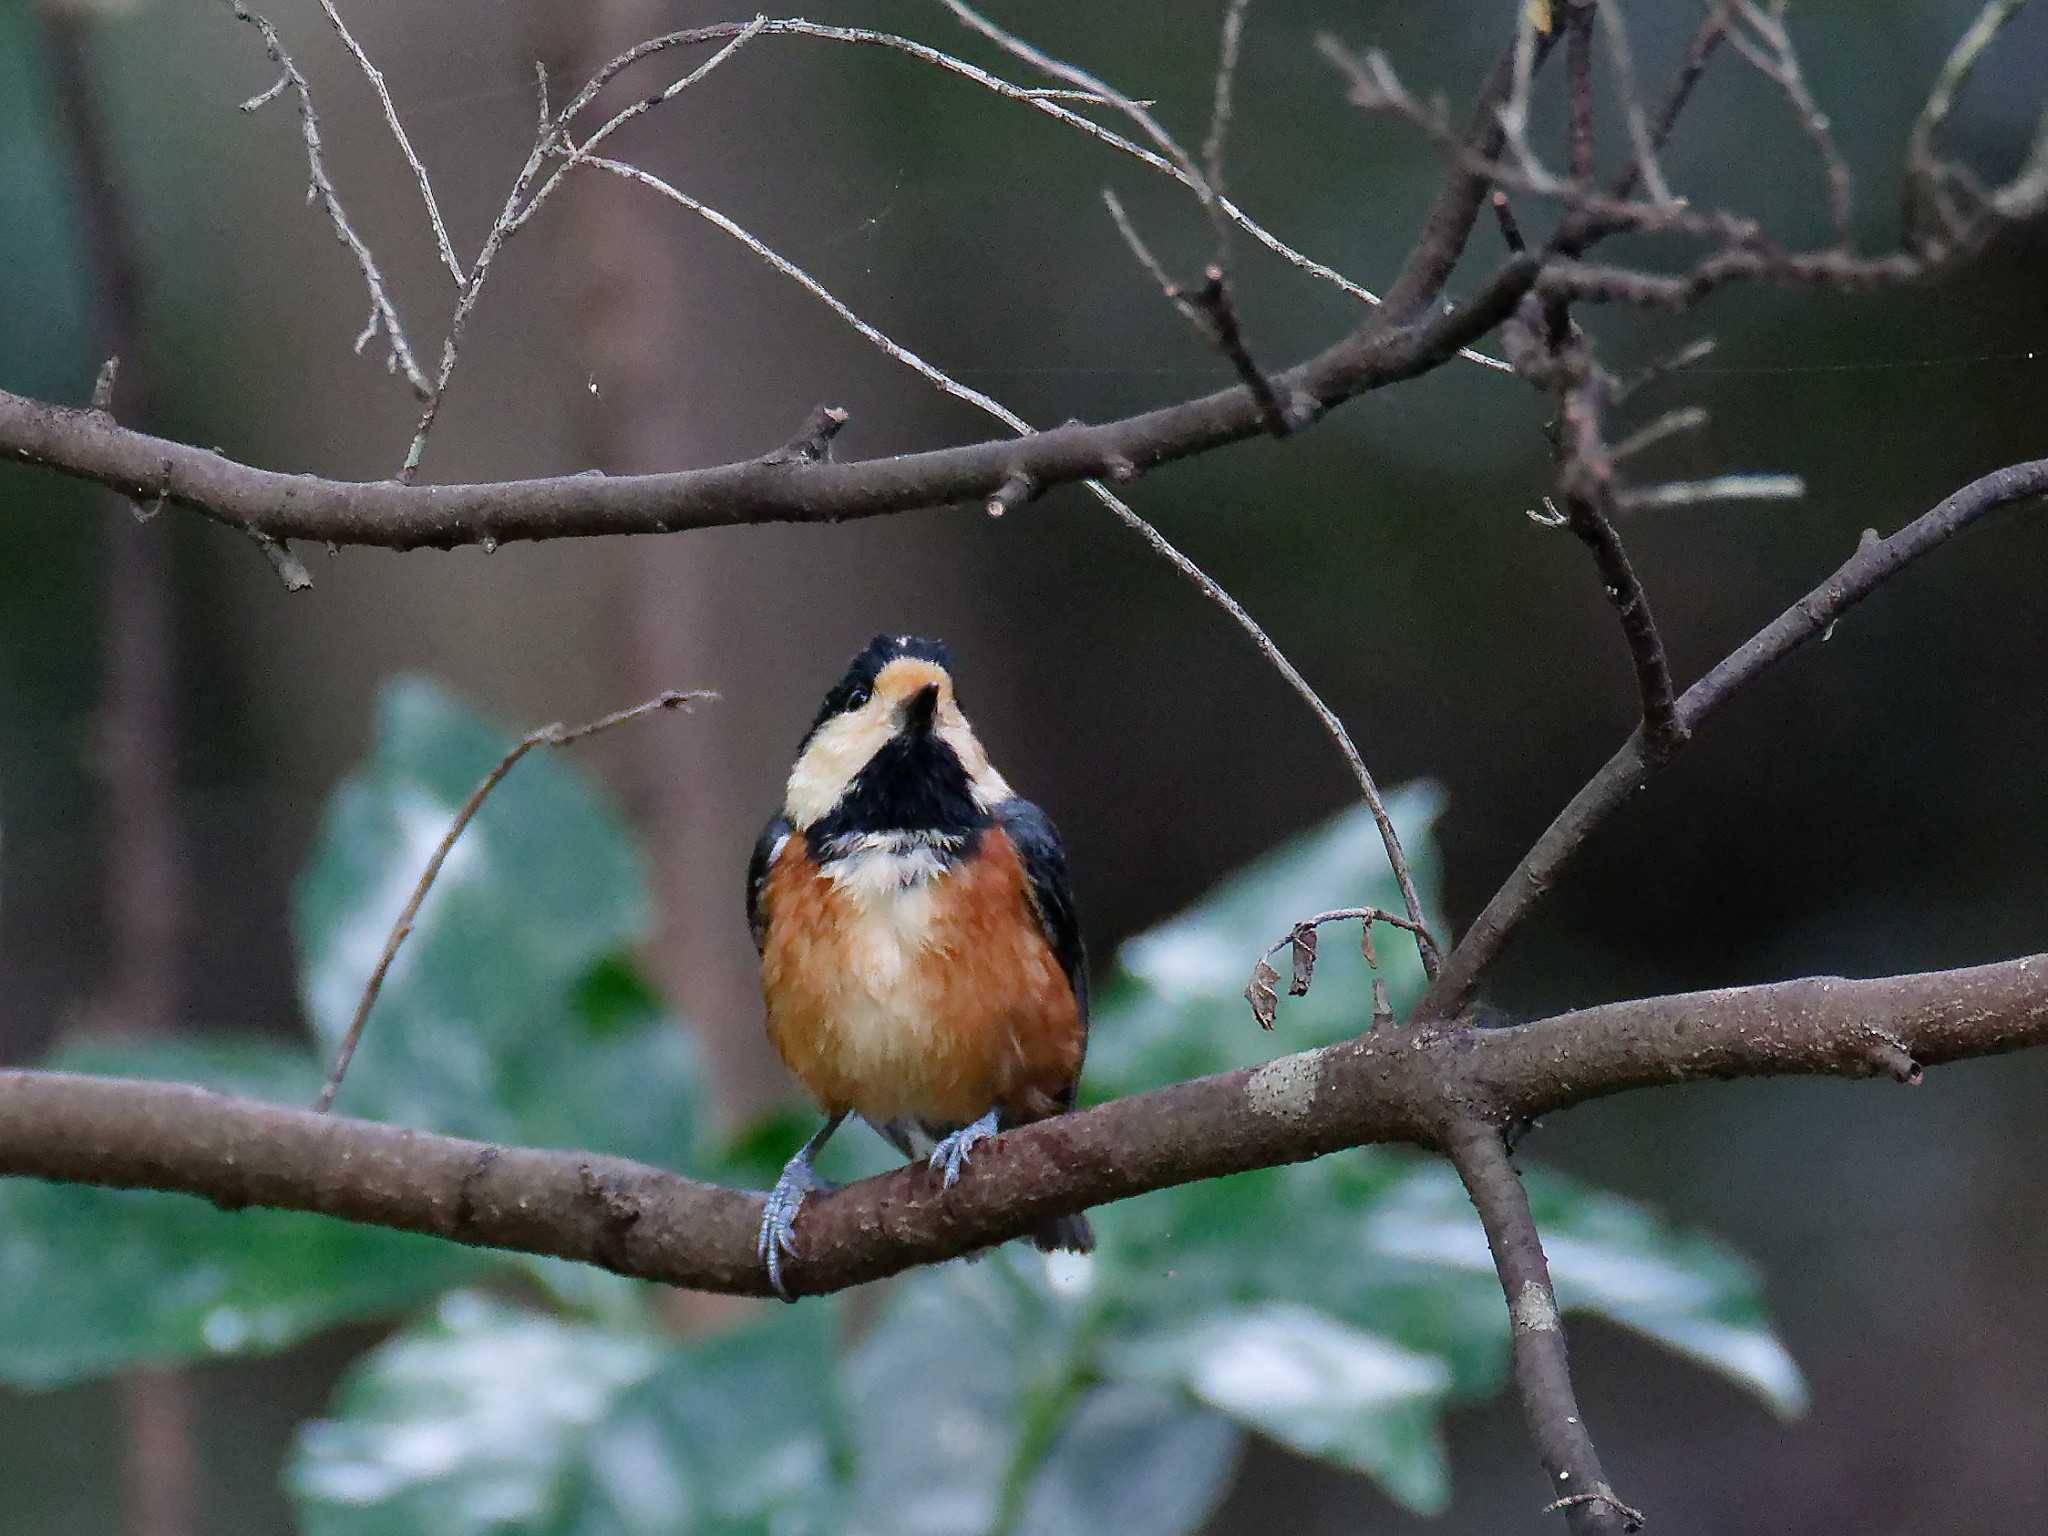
[901,678]
[843,745]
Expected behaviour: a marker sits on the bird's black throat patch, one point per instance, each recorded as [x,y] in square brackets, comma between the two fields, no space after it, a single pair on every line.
[914,784]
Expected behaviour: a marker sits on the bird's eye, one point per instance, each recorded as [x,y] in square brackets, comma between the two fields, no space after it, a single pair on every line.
[856,697]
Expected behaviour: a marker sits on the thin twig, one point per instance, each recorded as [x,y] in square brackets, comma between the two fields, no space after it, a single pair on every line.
[1109,95]
[419,171]
[1210,311]
[1641,140]
[1875,562]
[548,735]
[1050,102]
[1585,484]
[1687,418]
[1277,659]
[1301,939]
[1219,111]
[509,219]
[1926,175]
[1542,1369]
[1121,510]
[1694,351]
[1781,67]
[625,115]
[1590,212]
[383,314]
[1448,224]
[1686,493]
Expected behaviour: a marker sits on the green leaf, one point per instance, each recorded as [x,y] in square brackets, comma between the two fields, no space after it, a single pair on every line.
[1134,1460]
[979,1402]
[735,1434]
[473,1424]
[1174,1008]
[99,1279]
[934,1398]
[1313,1383]
[1609,1257]
[486,1419]
[478,1015]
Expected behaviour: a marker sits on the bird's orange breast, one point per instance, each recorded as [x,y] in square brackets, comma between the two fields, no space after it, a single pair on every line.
[899,996]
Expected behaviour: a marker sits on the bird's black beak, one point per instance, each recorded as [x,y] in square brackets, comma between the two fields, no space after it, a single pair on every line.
[919,710]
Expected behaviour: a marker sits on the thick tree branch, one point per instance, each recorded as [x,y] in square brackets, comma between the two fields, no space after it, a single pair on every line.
[1412,1086]
[390,515]
[1875,562]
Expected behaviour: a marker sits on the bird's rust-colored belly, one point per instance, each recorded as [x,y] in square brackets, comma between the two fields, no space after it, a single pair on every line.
[935,1000]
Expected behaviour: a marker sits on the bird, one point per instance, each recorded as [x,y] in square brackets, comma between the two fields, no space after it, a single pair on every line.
[922,965]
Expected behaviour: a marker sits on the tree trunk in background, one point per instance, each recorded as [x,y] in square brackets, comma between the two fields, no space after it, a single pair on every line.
[136,754]
[622,259]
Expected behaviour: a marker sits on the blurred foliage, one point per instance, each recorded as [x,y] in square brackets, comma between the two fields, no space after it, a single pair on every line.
[1336,1307]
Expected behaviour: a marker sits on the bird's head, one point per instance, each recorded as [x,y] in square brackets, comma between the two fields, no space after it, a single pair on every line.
[890,751]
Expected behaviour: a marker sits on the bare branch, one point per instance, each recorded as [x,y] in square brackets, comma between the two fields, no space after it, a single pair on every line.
[1875,562]
[1542,1370]
[383,314]
[635,1220]
[548,735]
[391,515]
[1591,213]
[419,171]
[1585,484]
[1449,221]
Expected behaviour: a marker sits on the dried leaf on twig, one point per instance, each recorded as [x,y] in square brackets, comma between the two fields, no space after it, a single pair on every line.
[1303,947]
[1261,995]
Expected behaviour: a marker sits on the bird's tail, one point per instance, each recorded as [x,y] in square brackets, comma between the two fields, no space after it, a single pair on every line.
[1065,1234]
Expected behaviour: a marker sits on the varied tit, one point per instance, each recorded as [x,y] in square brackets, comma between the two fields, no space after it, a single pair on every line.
[920,956]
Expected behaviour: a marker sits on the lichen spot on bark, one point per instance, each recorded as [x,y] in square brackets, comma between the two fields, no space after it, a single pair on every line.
[1286,1088]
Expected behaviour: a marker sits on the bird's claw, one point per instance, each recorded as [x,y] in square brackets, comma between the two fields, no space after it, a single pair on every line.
[778,1219]
[951,1154]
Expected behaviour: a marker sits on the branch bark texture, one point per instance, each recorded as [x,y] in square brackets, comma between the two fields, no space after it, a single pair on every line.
[1875,562]
[1421,1086]
[391,515]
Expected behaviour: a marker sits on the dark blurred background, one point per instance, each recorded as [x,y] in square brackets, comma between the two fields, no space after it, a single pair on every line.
[1876,804]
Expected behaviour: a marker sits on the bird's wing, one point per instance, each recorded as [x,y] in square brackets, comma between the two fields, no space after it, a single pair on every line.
[1038,846]
[769,844]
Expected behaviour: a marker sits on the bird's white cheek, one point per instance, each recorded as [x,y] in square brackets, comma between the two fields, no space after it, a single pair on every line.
[835,755]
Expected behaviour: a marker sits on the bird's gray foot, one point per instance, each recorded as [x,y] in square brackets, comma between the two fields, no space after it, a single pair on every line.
[778,1212]
[950,1155]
